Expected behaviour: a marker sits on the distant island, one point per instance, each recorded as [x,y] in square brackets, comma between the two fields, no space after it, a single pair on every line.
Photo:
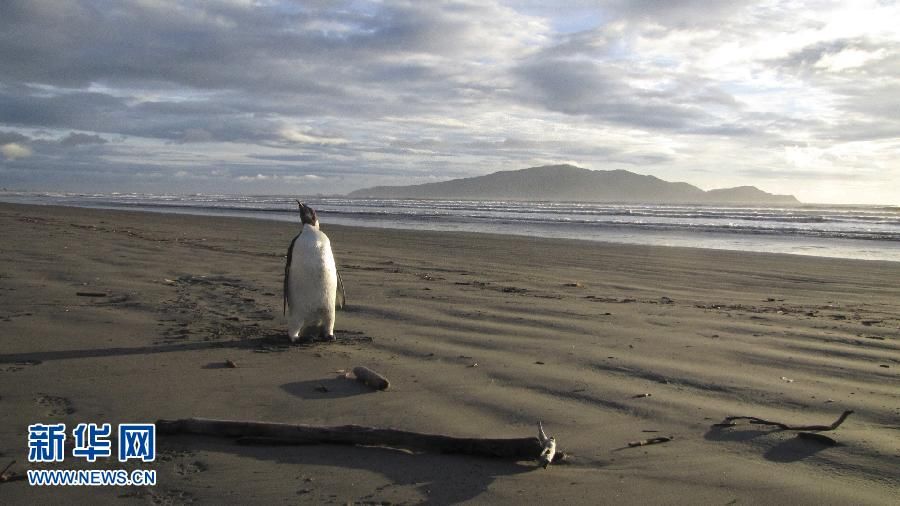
[561,183]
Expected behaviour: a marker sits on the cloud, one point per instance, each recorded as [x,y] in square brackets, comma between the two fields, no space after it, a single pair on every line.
[679,13]
[80,139]
[288,178]
[594,89]
[305,136]
[848,59]
[378,92]
[10,137]
[13,150]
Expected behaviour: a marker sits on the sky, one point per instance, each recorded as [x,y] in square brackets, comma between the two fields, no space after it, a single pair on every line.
[325,97]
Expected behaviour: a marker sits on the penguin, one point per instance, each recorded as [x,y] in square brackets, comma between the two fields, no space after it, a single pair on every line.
[313,288]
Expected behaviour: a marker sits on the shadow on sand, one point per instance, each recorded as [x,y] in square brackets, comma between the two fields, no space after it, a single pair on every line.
[329,388]
[787,451]
[45,356]
[271,341]
[440,479]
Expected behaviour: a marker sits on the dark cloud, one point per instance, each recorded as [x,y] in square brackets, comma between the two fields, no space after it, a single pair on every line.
[10,137]
[587,88]
[31,107]
[80,139]
[678,13]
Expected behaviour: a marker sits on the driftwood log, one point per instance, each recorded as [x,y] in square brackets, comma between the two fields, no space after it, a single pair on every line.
[527,448]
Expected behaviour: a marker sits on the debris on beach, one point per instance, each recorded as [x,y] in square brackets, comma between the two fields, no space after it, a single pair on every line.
[729,421]
[650,441]
[231,364]
[541,448]
[371,378]
[6,475]
[548,451]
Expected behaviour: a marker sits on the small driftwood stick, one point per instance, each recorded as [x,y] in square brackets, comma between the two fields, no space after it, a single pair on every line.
[651,441]
[729,422]
[90,294]
[527,448]
[371,378]
[4,478]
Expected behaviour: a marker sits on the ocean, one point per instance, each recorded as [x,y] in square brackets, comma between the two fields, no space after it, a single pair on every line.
[859,232]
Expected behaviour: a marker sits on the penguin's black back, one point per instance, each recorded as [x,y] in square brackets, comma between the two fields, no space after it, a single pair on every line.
[287,273]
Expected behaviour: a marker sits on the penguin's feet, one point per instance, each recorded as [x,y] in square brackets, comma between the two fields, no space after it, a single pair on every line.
[302,338]
[329,338]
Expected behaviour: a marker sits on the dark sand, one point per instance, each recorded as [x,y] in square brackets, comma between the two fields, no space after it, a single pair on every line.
[565,332]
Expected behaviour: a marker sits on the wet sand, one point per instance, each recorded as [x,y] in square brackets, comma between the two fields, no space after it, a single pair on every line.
[480,335]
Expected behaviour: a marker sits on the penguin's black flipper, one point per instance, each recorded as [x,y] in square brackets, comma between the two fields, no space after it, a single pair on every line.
[340,299]
[287,275]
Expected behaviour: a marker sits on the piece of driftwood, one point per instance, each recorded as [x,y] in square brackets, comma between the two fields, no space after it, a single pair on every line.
[3,472]
[6,477]
[91,294]
[371,378]
[548,444]
[651,441]
[730,422]
[249,432]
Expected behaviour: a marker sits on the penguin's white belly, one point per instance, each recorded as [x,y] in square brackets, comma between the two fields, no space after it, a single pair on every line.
[312,285]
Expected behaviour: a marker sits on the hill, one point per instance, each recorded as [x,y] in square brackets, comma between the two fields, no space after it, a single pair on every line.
[570,183]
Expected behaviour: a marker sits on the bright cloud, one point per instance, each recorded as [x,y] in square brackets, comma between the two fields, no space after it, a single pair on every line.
[292,134]
[13,151]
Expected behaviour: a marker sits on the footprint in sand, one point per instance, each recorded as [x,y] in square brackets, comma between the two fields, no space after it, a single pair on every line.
[188,468]
[171,497]
[170,454]
[55,406]
[18,366]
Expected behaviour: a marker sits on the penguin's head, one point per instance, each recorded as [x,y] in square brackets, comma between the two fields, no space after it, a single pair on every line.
[308,215]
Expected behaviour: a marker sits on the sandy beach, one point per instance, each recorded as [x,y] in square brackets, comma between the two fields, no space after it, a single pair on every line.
[481,336]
